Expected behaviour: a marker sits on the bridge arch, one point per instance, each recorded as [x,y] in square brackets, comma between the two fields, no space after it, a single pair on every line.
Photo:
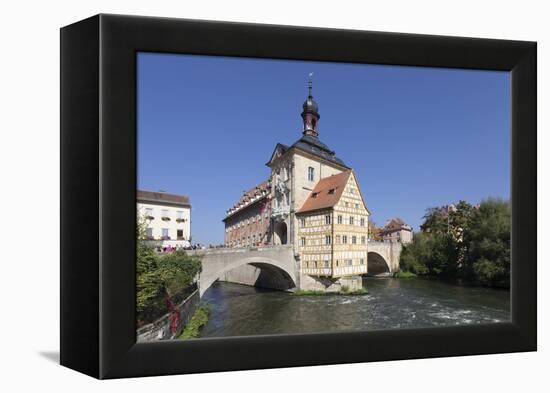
[270,273]
[377,264]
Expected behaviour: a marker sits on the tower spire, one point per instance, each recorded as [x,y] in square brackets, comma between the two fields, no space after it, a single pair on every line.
[310,114]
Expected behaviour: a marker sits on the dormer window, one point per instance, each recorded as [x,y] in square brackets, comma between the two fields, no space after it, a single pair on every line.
[331,191]
[314,195]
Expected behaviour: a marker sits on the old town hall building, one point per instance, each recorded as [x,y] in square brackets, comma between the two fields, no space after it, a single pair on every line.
[312,201]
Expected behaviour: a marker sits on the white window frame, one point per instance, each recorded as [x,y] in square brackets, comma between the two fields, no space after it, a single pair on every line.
[311,173]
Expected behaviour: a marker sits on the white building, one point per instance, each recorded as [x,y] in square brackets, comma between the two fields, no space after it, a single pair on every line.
[168,218]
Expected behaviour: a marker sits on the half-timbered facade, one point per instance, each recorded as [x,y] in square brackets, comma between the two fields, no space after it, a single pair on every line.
[333,228]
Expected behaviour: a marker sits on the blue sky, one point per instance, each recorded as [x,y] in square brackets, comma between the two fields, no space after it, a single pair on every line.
[416,137]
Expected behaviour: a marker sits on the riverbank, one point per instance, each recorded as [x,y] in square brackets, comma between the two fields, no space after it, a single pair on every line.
[199,319]
[401,274]
[343,292]
[171,324]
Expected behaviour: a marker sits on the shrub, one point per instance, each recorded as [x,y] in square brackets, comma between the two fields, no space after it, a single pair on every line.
[161,278]
[199,319]
[402,274]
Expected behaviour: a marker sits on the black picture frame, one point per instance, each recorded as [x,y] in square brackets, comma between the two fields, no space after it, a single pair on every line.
[98,194]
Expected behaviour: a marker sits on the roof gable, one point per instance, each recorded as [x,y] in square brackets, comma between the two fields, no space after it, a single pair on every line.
[279,150]
[360,192]
[326,193]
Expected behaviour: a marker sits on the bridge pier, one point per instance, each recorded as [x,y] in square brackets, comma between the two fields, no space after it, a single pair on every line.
[327,284]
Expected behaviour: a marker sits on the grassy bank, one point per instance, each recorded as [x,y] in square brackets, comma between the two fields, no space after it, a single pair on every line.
[404,275]
[344,292]
[199,319]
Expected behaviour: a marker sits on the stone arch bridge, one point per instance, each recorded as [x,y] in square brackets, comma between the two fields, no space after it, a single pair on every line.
[276,266]
[270,266]
[383,257]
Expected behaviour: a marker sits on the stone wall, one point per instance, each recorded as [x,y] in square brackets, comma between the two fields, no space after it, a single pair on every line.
[161,329]
[327,284]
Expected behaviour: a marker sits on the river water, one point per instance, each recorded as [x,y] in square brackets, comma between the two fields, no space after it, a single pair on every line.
[239,310]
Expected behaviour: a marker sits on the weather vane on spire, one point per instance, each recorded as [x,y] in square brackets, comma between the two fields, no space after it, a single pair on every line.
[310,82]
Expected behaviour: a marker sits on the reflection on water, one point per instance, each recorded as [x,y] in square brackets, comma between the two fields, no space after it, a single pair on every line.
[239,310]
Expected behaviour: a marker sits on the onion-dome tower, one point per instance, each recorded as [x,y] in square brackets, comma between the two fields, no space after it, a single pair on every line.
[310,114]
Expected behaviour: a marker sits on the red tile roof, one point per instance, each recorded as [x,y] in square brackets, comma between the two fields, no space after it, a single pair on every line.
[254,191]
[321,198]
[395,224]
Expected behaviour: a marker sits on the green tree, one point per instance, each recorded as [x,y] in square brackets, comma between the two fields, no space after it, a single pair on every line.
[430,254]
[488,244]
[442,255]
[415,254]
[464,243]
[149,284]
[436,220]
[159,278]
[459,219]
[178,272]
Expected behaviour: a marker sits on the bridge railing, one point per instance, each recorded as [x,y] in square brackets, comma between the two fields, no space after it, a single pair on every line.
[378,243]
[229,250]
